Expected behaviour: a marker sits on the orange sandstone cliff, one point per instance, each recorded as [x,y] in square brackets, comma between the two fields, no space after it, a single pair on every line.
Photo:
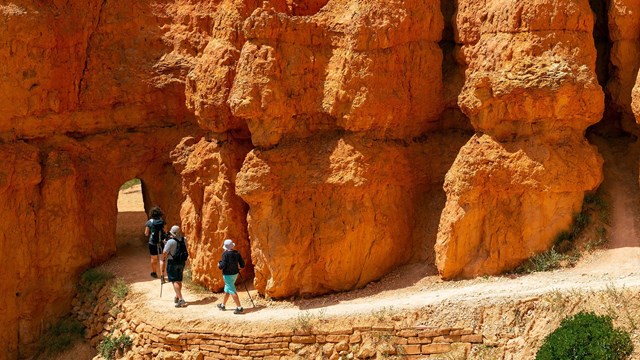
[91,95]
[530,92]
[331,140]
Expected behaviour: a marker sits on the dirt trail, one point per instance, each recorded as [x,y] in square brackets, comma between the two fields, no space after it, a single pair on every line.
[621,183]
[409,287]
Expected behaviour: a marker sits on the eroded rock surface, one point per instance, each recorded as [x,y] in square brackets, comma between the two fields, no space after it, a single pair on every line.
[212,212]
[92,95]
[315,134]
[332,213]
[624,32]
[531,89]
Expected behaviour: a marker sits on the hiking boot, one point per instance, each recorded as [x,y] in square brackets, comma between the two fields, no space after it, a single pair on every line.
[154,275]
[238,310]
[221,307]
[181,303]
[175,300]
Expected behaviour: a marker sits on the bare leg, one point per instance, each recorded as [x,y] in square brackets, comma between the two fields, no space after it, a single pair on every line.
[177,287]
[236,299]
[224,300]
[154,263]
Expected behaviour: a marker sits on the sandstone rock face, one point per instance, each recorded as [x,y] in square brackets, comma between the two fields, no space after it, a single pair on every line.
[333,213]
[295,74]
[624,32]
[358,66]
[59,211]
[531,89]
[315,134]
[212,212]
[92,96]
[509,200]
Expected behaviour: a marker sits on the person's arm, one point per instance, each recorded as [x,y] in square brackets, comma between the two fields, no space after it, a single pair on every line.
[240,261]
[146,230]
[223,262]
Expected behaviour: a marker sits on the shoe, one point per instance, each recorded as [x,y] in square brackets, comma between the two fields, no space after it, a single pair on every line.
[181,303]
[175,300]
[221,307]
[154,275]
[238,310]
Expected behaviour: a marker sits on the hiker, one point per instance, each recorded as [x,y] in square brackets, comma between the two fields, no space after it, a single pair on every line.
[155,231]
[231,259]
[175,254]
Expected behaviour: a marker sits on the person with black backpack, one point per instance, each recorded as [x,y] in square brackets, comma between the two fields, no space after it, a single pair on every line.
[230,264]
[176,254]
[154,229]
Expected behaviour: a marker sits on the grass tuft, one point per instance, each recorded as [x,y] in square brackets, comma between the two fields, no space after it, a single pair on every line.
[111,345]
[119,289]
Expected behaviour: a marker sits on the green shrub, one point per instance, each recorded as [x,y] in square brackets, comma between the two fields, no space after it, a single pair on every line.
[546,261]
[60,337]
[91,281]
[120,289]
[586,336]
[110,345]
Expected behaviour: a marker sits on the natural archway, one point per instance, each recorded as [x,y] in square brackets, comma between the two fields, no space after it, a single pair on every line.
[131,215]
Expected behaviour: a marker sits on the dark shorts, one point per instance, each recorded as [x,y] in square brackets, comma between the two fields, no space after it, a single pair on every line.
[153,249]
[174,271]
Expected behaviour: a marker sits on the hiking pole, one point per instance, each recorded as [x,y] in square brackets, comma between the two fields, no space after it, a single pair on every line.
[161,268]
[245,287]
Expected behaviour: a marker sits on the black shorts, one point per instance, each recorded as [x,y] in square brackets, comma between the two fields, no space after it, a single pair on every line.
[153,249]
[174,271]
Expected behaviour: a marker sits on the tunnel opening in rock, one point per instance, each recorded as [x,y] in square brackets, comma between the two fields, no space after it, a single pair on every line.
[131,215]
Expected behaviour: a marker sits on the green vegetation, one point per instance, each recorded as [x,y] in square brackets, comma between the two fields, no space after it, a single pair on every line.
[130,183]
[91,281]
[60,337]
[382,313]
[586,336]
[587,233]
[547,261]
[112,344]
[303,321]
[119,289]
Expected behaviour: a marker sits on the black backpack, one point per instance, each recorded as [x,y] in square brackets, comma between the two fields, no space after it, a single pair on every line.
[181,255]
[157,231]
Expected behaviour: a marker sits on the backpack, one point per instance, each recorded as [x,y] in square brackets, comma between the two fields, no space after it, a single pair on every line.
[157,231]
[181,255]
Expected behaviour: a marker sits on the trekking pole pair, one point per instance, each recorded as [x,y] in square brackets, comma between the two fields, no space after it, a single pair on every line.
[245,287]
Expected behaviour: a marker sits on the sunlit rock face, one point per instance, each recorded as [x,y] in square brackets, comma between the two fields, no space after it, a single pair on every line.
[530,92]
[91,95]
[322,136]
[326,96]
[211,211]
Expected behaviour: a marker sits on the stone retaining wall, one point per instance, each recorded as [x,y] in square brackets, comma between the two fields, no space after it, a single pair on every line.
[109,317]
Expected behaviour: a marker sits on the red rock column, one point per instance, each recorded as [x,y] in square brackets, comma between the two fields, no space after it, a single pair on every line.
[333,101]
[212,212]
[530,92]
[624,33]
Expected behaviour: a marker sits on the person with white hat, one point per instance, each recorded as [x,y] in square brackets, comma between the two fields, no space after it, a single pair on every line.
[176,254]
[230,264]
